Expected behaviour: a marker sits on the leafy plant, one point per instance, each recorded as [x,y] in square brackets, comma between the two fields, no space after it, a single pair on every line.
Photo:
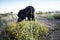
[27,30]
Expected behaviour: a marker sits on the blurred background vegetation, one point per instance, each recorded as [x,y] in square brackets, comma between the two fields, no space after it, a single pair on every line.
[50,14]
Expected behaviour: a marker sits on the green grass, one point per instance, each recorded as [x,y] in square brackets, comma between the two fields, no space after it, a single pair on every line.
[27,30]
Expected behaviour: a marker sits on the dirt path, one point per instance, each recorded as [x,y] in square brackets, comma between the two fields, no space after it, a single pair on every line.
[45,20]
[53,33]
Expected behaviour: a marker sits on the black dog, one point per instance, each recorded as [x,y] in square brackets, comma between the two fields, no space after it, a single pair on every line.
[27,12]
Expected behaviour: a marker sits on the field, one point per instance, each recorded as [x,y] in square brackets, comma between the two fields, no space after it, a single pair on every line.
[45,27]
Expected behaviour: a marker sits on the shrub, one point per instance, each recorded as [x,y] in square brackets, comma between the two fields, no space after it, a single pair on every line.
[56,16]
[50,18]
[27,30]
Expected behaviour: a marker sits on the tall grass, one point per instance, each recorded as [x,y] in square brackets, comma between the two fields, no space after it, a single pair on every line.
[27,30]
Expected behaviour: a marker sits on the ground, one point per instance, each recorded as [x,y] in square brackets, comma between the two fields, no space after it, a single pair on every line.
[54,33]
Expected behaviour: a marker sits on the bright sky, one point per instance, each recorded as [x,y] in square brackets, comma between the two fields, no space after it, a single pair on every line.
[39,5]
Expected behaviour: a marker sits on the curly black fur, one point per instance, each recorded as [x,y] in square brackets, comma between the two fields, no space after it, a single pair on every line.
[27,12]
